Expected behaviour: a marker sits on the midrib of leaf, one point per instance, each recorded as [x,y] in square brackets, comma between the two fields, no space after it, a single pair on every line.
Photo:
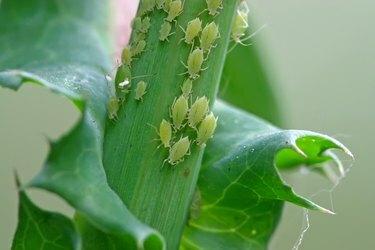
[161,197]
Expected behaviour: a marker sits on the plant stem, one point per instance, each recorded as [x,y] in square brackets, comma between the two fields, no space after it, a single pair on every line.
[160,196]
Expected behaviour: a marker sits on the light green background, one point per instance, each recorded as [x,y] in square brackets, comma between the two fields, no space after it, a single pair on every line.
[322,55]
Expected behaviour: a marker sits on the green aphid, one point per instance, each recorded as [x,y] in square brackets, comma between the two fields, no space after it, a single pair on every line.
[179,110]
[194,27]
[122,81]
[138,48]
[147,6]
[146,23]
[126,56]
[213,6]
[208,37]
[175,9]
[165,133]
[165,31]
[198,111]
[178,151]
[187,87]
[194,63]
[206,129]
[137,24]
[140,90]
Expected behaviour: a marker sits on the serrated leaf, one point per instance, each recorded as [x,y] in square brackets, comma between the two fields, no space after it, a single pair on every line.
[62,45]
[39,229]
[240,188]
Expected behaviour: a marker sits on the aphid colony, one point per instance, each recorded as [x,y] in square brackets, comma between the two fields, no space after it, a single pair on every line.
[189,123]
[194,121]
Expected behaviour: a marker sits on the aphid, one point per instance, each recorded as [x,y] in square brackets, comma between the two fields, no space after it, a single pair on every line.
[165,31]
[123,73]
[166,5]
[198,111]
[138,36]
[113,102]
[209,34]
[178,151]
[140,90]
[192,30]
[138,48]
[213,6]
[174,10]
[126,56]
[122,81]
[113,107]
[179,110]
[160,4]
[137,24]
[165,133]
[194,63]
[206,129]
[146,23]
[186,87]
[240,24]
[147,6]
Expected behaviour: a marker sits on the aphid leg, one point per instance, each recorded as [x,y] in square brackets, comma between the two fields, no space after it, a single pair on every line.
[186,72]
[232,48]
[200,13]
[162,166]
[192,47]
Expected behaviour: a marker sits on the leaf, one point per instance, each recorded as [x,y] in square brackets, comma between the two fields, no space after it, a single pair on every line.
[63,45]
[240,188]
[39,229]
[246,83]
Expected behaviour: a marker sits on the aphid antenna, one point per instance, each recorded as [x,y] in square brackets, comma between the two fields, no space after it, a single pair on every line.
[254,33]
[141,76]
[200,13]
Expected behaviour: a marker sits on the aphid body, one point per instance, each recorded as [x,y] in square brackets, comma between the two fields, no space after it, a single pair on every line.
[198,111]
[240,24]
[206,129]
[123,74]
[140,90]
[138,48]
[126,56]
[113,102]
[209,35]
[147,6]
[194,63]
[175,9]
[178,151]
[137,24]
[113,107]
[214,6]
[165,133]
[146,23]
[179,110]
[165,31]
[192,30]
[138,36]
[186,87]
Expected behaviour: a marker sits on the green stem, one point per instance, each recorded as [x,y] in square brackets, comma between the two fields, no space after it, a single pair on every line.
[161,196]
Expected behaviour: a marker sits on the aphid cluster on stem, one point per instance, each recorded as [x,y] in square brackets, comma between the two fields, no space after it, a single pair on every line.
[201,122]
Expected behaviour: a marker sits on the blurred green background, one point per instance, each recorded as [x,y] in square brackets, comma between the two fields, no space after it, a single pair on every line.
[321,55]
